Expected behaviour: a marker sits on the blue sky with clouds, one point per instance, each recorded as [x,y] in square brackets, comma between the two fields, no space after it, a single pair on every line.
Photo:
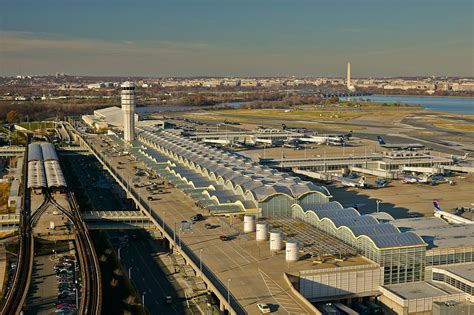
[246,37]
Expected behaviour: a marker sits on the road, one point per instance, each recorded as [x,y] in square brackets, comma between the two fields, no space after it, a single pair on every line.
[149,277]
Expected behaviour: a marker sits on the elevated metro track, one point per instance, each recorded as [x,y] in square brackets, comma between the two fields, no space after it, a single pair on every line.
[16,296]
[91,302]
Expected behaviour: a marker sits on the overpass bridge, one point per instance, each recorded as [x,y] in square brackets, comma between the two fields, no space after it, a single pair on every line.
[117,220]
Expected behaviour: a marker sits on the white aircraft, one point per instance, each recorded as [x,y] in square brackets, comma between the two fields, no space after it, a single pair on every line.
[400,146]
[409,179]
[347,182]
[449,217]
[327,139]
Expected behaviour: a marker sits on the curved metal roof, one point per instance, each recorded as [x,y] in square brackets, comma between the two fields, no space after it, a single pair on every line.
[331,205]
[375,229]
[224,164]
[35,153]
[397,240]
[383,235]
[267,190]
[356,221]
[49,152]
[36,175]
[54,174]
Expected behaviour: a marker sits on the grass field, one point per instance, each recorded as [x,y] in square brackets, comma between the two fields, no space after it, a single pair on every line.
[310,116]
[35,125]
[450,124]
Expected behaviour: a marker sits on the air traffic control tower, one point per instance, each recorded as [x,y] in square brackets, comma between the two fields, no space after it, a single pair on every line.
[128,109]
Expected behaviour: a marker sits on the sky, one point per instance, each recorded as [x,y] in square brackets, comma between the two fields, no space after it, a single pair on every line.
[237,37]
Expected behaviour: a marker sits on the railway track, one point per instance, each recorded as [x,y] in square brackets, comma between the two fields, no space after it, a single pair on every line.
[91,302]
[16,295]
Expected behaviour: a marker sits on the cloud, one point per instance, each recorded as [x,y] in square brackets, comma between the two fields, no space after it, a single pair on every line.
[352,30]
[29,42]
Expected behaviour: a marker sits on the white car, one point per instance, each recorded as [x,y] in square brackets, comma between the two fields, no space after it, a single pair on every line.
[264,308]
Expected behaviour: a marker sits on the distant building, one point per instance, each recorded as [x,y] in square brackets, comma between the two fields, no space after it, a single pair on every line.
[110,117]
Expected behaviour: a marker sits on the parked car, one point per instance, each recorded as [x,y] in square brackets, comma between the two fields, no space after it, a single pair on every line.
[264,308]
[197,217]
[223,238]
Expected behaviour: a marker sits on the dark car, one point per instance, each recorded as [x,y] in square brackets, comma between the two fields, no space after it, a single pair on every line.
[197,217]
[223,238]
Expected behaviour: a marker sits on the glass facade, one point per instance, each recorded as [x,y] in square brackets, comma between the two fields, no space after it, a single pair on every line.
[276,206]
[400,264]
[447,256]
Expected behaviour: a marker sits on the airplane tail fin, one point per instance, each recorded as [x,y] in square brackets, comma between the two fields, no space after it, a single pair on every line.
[381,140]
[436,205]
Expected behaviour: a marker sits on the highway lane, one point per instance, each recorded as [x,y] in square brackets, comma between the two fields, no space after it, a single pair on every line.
[149,278]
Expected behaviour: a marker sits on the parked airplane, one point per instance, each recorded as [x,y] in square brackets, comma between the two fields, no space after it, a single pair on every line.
[449,217]
[399,146]
[459,158]
[409,179]
[327,139]
[347,182]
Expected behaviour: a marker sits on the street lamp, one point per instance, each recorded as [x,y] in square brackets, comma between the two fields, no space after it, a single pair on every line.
[163,221]
[77,295]
[200,261]
[378,202]
[228,291]
[130,273]
[119,249]
[143,299]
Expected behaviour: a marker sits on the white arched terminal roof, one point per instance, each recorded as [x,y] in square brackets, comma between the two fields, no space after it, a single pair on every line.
[234,171]
[334,219]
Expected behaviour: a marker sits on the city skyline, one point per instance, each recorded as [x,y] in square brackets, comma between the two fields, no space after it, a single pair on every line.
[182,38]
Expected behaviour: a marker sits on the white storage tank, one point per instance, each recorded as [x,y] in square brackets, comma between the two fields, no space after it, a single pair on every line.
[249,223]
[292,250]
[262,232]
[276,240]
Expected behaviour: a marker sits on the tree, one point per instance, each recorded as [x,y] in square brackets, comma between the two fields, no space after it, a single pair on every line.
[12,117]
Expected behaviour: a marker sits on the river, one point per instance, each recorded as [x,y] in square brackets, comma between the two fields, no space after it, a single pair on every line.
[457,105]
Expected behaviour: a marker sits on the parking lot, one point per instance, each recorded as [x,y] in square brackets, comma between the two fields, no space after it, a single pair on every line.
[53,282]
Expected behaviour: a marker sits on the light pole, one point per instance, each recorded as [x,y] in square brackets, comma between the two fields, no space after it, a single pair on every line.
[130,273]
[163,221]
[174,235]
[378,203]
[77,295]
[54,253]
[228,291]
[143,299]
[200,261]
[119,249]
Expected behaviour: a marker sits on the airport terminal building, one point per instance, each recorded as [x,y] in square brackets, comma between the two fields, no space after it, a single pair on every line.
[404,255]
[239,186]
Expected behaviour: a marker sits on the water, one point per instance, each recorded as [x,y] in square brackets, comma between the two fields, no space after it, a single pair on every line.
[458,105]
